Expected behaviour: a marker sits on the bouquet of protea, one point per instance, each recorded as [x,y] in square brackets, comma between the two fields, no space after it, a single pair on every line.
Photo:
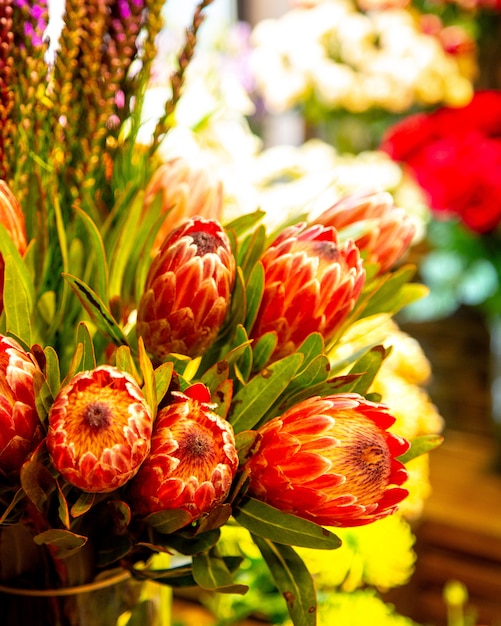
[152,391]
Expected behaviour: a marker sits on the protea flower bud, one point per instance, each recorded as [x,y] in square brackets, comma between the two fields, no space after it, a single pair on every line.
[388,230]
[12,217]
[330,460]
[186,191]
[192,462]
[188,289]
[20,427]
[311,285]
[99,429]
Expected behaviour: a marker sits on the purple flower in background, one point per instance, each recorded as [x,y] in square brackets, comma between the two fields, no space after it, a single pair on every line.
[35,17]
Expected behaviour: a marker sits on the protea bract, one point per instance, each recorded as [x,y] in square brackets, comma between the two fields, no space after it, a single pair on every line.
[99,429]
[330,460]
[187,291]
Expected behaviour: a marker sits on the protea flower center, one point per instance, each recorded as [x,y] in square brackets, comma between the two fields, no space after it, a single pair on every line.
[205,242]
[99,429]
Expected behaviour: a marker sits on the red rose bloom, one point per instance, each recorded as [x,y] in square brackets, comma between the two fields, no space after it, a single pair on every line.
[455,155]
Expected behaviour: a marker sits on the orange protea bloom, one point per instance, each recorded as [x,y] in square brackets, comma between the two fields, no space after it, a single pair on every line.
[12,217]
[20,428]
[387,230]
[311,285]
[192,462]
[188,289]
[99,429]
[330,460]
[186,191]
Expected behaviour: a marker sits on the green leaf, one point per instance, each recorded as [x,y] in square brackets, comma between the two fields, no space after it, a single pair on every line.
[18,301]
[149,385]
[38,483]
[83,504]
[125,363]
[253,401]
[64,542]
[292,579]
[245,223]
[251,250]
[8,248]
[96,308]
[386,297]
[421,445]
[100,265]
[254,294]
[88,361]
[163,377]
[263,349]
[167,522]
[125,244]
[268,522]
[190,545]
[210,572]
[367,368]
[52,371]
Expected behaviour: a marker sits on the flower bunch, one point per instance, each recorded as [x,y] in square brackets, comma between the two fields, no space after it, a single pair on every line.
[436,149]
[353,61]
[161,374]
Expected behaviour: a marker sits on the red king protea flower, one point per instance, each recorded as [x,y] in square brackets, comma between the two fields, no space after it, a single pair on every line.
[99,429]
[330,460]
[311,285]
[389,229]
[192,462]
[20,428]
[12,217]
[188,289]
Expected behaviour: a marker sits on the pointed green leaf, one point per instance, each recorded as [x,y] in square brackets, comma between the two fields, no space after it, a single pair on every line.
[251,250]
[63,509]
[263,349]
[52,371]
[88,356]
[292,579]
[385,296]
[64,542]
[367,368]
[8,248]
[421,445]
[83,504]
[100,265]
[149,386]
[267,521]
[211,572]
[254,294]
[191,545]
[125,363]
[245,223]
[167,522]
[96,308]
[125,244]
[17,301]
[253,401]
[315,373]
[38,483]
[163,377]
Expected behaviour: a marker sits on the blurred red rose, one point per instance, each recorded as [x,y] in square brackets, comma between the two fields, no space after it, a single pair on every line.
[455,156]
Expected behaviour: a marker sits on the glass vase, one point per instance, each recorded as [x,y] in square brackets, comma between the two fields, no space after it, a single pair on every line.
[117,600]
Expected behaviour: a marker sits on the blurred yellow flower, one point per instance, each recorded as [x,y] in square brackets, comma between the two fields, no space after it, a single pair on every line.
[364,558]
